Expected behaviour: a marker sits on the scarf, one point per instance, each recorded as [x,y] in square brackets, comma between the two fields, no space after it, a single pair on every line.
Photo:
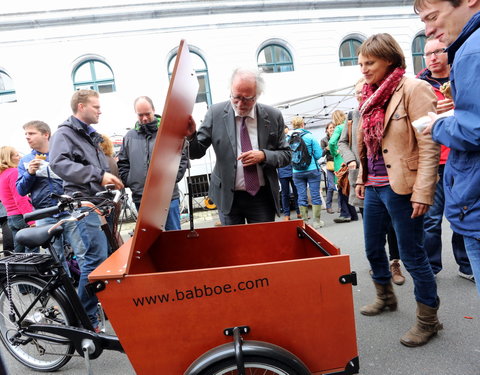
[372,109]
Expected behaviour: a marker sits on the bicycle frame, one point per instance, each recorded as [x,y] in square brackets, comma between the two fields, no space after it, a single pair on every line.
[82,335]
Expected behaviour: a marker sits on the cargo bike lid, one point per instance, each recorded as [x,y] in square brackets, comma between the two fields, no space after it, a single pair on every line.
[162,172]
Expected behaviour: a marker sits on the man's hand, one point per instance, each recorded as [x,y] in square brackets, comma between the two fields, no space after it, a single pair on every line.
[251,157]
[419,209]
[192,127]
[444,105]
[109,178]
[34,166]
[360,191]
[352,165]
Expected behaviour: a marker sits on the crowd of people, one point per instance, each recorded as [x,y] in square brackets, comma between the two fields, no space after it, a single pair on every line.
[401,177]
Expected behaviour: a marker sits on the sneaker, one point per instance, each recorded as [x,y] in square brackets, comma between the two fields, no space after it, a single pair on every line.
[330,211]
[466,276]
[397,276]
[342,219]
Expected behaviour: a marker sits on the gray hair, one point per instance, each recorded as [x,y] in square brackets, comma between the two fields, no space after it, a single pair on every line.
[250,73]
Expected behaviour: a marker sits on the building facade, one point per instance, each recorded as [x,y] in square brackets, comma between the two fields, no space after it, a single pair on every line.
[125,49]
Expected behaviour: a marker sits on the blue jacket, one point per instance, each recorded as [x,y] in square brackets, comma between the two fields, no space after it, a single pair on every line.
[461,132]
[313,148]
[40,185]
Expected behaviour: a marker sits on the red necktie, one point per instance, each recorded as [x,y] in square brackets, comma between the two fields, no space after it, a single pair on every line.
[250,173]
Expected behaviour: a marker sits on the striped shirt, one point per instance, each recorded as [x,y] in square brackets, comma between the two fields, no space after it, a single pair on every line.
[377,181]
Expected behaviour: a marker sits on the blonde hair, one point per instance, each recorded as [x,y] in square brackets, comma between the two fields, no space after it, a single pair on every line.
[297,122]
[6,153]
[338,117]
[82,96]
[107,145]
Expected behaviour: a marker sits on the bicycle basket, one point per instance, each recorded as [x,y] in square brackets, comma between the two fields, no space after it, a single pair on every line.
[29,263]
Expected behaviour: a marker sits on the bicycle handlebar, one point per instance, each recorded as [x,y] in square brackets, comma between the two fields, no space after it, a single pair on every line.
[67,203]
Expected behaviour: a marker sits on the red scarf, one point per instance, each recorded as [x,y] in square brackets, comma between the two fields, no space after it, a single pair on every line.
[372,109]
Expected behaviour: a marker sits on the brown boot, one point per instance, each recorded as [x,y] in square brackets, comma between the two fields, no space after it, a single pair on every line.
[397,276]
[385,298]
[425,328]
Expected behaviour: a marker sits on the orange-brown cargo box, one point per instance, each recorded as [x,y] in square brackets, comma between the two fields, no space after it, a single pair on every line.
[171,295]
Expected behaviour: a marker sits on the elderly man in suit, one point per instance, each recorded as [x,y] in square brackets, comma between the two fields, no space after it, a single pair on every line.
[250,145]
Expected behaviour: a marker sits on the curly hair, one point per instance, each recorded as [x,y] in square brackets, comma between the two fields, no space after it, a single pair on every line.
[107,145]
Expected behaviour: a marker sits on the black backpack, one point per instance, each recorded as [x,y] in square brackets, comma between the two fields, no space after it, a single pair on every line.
[301,158]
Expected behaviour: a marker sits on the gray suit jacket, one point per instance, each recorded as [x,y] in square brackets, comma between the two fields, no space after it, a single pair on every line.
[218,129]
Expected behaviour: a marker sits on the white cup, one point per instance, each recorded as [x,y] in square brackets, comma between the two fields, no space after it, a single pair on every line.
[421,123]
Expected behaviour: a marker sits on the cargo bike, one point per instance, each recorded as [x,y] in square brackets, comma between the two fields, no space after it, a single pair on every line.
[270,298]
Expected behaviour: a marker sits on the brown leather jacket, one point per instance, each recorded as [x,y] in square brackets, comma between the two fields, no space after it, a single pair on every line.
[411,158]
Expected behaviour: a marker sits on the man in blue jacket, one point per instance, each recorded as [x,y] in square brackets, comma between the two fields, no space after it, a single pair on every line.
[457,23]
[35,177]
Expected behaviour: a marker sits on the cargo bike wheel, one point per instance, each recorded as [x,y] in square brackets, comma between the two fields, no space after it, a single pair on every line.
[247,357]
[253,366]
[51,308]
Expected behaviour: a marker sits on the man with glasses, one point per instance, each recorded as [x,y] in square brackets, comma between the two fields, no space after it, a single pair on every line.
[437,74]
[249,143]
[136,152]
[457,24]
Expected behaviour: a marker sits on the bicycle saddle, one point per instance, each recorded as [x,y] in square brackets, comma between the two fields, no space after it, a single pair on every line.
[37,236]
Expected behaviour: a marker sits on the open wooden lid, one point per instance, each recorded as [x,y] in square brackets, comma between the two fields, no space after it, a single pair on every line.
[163,169]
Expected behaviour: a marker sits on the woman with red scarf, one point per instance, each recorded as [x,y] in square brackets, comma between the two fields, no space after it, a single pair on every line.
[397,177]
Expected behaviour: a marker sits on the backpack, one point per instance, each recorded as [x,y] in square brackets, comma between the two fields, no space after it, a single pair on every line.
[301,158]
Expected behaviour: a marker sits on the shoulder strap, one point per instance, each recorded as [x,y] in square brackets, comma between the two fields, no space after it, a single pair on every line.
[350,126]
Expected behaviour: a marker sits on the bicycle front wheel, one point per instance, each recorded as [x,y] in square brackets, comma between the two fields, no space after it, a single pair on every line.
[253,366]
[37,354]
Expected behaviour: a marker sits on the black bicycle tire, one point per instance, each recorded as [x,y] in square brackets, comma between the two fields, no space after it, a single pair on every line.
[227,363]
[59,297]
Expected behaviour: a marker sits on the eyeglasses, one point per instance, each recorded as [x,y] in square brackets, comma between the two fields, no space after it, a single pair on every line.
[243,98]
[437,52]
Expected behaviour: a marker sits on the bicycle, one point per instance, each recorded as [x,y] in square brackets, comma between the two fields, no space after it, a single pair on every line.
[43,323]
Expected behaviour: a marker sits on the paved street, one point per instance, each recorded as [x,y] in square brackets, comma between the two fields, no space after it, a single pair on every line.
[455,351]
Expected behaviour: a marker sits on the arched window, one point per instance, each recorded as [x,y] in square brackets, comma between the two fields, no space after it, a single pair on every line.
[95,75]
[349,52]
[200,66]
[418,47]
[7,91]
[274,58]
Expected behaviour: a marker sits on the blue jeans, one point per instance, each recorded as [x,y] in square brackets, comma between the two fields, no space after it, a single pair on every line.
[330,188]
[95,252]
[346,210]
[173,217]
[15,223]
[472,245]
[312,179]
[433,233]
[382,204]
[70,235]
[286,183]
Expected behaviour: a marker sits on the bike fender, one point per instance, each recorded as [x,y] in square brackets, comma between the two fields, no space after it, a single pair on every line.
[249,348]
